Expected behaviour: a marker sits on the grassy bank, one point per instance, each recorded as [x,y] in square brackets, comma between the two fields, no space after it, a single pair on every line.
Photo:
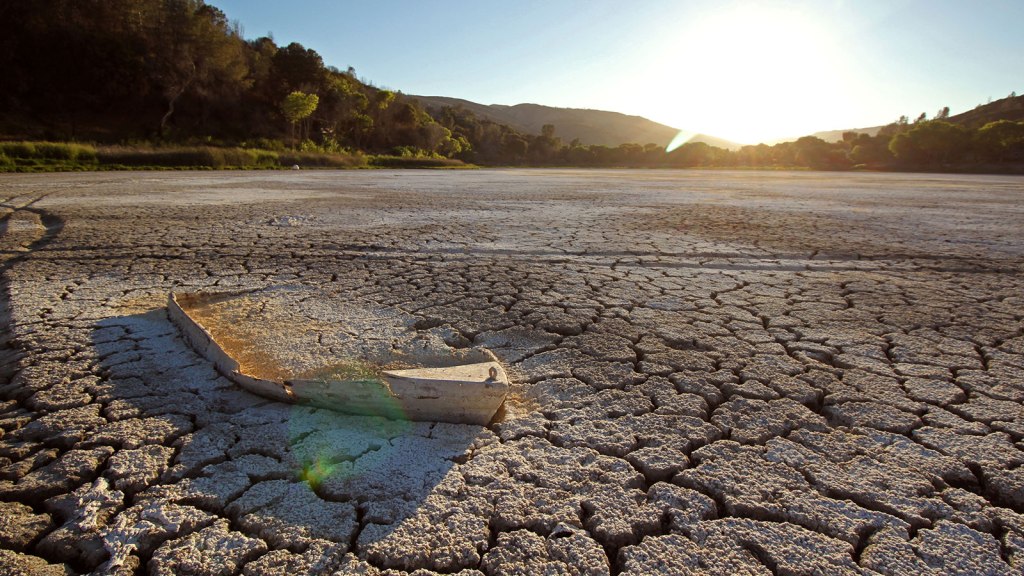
[383,161]
[64,157]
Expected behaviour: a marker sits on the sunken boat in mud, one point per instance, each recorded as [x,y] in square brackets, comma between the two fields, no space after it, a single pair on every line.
[415,379]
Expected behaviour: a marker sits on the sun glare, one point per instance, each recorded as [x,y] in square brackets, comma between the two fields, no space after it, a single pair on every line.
[749,74]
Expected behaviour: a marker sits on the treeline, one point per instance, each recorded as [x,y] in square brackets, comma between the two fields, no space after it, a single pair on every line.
[924,144]
[139,77]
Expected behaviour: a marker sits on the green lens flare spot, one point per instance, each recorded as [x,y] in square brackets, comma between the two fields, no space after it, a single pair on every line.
[315,472]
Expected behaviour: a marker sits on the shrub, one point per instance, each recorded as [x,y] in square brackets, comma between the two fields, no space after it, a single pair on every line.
[71,152]
[38,156]
[54,151]
[18,149]
[47,155]
[265,158]
[241,158]
[84,153]
[407,152]
[322,160]
[413,162]
[192,157]
[171,157]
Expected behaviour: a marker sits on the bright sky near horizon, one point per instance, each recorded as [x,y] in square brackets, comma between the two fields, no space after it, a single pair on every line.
[747,71]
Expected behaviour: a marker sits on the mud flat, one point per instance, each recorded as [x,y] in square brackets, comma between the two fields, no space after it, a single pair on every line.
[711,372]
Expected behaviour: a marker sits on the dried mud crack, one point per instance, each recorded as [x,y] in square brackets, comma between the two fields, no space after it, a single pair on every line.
[713,372]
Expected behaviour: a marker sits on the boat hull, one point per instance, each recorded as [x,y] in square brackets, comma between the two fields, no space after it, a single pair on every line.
[439,390]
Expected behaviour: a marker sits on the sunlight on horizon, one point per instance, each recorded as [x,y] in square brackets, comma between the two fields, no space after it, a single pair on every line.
[750,75]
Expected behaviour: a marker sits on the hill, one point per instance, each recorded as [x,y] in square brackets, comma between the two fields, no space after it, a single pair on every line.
[1009,108]
[590,127]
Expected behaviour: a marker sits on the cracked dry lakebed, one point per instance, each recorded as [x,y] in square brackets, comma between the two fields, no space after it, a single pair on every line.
[710,372]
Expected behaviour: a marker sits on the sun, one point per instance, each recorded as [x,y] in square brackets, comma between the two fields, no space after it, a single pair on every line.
[749,74]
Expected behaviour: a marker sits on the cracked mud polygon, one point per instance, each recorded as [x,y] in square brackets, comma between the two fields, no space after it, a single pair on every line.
[712,372]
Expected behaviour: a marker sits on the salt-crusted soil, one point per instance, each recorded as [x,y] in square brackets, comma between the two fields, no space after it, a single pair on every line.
[713,372]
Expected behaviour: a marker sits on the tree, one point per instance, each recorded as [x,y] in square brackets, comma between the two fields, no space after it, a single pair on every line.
[361,126]
[435,138]
[890,130]
[814,152]
[545,147]
[514,147]
[753,155]
[195,50]
[692,154]
[298,68]
[931,143]
[406,115]
[1001,140]
[871,150]
[298,106]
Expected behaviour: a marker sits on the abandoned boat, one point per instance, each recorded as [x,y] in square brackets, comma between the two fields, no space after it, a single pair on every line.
[417,381]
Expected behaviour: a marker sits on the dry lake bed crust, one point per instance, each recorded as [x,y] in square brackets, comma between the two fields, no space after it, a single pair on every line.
[712,372]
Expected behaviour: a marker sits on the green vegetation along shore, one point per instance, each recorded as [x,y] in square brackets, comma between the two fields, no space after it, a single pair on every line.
[27,156]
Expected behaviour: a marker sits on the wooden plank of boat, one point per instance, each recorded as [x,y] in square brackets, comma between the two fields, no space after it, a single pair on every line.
[468,393]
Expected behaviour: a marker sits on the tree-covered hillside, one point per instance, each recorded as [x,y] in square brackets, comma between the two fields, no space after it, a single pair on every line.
[179,70]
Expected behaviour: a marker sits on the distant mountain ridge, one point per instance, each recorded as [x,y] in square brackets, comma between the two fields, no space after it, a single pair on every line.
[590,127]
[837,135]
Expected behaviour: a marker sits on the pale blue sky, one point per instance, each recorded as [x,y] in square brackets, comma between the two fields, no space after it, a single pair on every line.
[747,71]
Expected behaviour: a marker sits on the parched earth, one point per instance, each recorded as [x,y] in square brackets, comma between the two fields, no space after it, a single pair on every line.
[713,372]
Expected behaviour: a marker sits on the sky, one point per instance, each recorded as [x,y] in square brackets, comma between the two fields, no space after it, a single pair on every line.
[747,71]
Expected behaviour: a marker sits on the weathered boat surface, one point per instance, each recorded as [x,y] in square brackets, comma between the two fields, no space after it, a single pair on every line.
[417,381]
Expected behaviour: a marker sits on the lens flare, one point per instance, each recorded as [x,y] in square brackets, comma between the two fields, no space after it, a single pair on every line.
[325,444]
[681,138]
[316,471]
